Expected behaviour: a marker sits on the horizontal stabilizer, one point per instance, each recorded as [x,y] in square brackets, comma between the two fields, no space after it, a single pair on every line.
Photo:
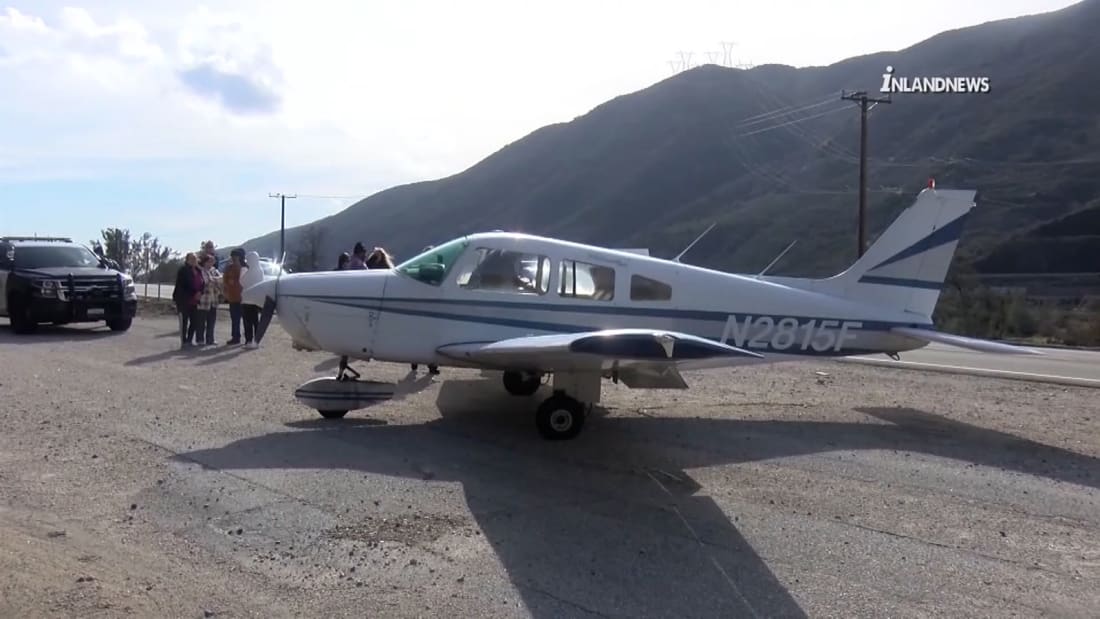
[928,335]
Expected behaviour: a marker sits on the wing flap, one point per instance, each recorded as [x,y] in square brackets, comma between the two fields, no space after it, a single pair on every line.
[970,343]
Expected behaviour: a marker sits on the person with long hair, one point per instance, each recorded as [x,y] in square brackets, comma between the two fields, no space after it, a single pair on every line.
[186,295]
[379,259]
[208,301]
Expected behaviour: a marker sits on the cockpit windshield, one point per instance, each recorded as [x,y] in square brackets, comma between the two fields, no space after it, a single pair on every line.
[433,265]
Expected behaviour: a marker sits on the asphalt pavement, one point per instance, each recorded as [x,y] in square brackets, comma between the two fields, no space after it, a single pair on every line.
[1055,365]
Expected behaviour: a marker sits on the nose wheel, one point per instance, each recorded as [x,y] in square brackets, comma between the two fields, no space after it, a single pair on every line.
[560,417]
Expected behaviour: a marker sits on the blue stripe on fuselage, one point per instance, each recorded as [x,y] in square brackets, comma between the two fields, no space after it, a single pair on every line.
[556,327]
[644,312]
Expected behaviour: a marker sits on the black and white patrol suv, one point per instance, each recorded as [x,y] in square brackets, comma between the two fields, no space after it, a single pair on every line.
[58,281]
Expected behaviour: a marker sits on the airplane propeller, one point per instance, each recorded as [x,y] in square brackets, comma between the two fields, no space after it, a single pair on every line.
[270,304]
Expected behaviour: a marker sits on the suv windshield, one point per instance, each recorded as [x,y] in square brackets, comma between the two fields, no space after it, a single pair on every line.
[45,257]
[433,265]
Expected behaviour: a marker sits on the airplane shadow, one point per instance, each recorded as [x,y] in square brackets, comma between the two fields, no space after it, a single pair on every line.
[610,523]
[328,365]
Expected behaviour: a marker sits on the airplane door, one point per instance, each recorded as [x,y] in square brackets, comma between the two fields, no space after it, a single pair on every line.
[373,319]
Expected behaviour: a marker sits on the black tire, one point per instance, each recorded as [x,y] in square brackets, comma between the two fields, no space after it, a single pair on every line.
[560,418]
[521,383]
[120,324]
[21,321]
[333,414]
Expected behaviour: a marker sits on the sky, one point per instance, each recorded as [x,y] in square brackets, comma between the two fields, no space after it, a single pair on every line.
[180,119]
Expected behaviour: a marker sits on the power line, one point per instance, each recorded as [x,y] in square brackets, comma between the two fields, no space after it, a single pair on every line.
[791,122]
[783,111]
[311,195]
[863,99]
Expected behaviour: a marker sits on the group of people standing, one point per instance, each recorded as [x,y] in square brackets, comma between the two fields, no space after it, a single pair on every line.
[199,288]
[378,258]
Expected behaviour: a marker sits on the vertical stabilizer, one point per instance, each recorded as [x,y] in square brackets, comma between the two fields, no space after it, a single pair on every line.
[905,268]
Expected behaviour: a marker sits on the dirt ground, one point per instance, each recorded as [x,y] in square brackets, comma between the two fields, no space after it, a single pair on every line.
[137,480]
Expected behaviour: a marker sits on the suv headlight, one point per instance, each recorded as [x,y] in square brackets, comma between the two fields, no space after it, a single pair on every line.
[49,288]
[128,291]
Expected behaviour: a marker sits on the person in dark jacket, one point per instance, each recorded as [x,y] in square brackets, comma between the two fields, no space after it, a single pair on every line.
[358,257]
[343,261]
[186,295]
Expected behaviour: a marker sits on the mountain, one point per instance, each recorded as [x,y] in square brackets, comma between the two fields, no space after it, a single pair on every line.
[655,167]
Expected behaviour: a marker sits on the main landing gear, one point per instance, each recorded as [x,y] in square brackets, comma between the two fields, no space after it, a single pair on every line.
[522,383]
[562,415]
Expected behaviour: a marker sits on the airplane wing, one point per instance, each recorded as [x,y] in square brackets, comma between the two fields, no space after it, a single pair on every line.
[645,358]
[970,343]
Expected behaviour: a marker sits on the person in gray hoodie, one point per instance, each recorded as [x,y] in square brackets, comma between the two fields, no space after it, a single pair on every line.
[251,274]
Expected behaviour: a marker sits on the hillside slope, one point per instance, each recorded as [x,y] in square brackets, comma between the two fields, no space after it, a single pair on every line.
[656,167]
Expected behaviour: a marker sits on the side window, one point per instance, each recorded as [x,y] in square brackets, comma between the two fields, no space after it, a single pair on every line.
[645,289]
[581,280]
[513,272]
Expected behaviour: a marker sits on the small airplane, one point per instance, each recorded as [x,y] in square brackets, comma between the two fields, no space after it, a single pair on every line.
[532,307]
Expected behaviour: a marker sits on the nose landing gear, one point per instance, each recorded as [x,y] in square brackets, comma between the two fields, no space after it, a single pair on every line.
[334,396]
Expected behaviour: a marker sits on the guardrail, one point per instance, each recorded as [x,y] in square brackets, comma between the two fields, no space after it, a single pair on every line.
[154,291]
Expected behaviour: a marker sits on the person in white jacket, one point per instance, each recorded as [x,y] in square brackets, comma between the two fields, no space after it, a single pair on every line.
[251,274]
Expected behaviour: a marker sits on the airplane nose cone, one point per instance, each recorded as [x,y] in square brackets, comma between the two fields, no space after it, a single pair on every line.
[257,293]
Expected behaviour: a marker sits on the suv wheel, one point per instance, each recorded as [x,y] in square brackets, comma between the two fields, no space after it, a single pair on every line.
[120,324]
[19,314]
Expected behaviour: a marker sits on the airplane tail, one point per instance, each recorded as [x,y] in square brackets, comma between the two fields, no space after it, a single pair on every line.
[906,266]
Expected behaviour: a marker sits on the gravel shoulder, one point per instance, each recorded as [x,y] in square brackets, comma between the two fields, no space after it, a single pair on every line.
[137,480]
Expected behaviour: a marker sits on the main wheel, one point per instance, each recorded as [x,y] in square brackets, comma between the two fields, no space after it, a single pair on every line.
[521,383]
[560,417]
[333,414]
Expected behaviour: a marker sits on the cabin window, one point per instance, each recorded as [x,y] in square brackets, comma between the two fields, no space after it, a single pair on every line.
[646,289]
[506,271]
[581,280]
[432,266]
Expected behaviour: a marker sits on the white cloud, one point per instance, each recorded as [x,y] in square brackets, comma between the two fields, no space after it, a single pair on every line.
[381,92]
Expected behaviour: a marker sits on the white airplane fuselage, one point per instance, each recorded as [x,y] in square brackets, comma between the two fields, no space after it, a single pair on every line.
[390,315]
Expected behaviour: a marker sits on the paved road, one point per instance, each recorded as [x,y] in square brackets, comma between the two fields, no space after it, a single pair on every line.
[1066,366]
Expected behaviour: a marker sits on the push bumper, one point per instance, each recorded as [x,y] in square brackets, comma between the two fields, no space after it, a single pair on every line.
[55,310]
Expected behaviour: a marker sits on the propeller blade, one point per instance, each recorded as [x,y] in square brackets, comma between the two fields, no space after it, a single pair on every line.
[265,318]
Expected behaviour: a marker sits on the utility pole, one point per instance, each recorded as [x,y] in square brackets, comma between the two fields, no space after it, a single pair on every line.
[863,99]
[282,221]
